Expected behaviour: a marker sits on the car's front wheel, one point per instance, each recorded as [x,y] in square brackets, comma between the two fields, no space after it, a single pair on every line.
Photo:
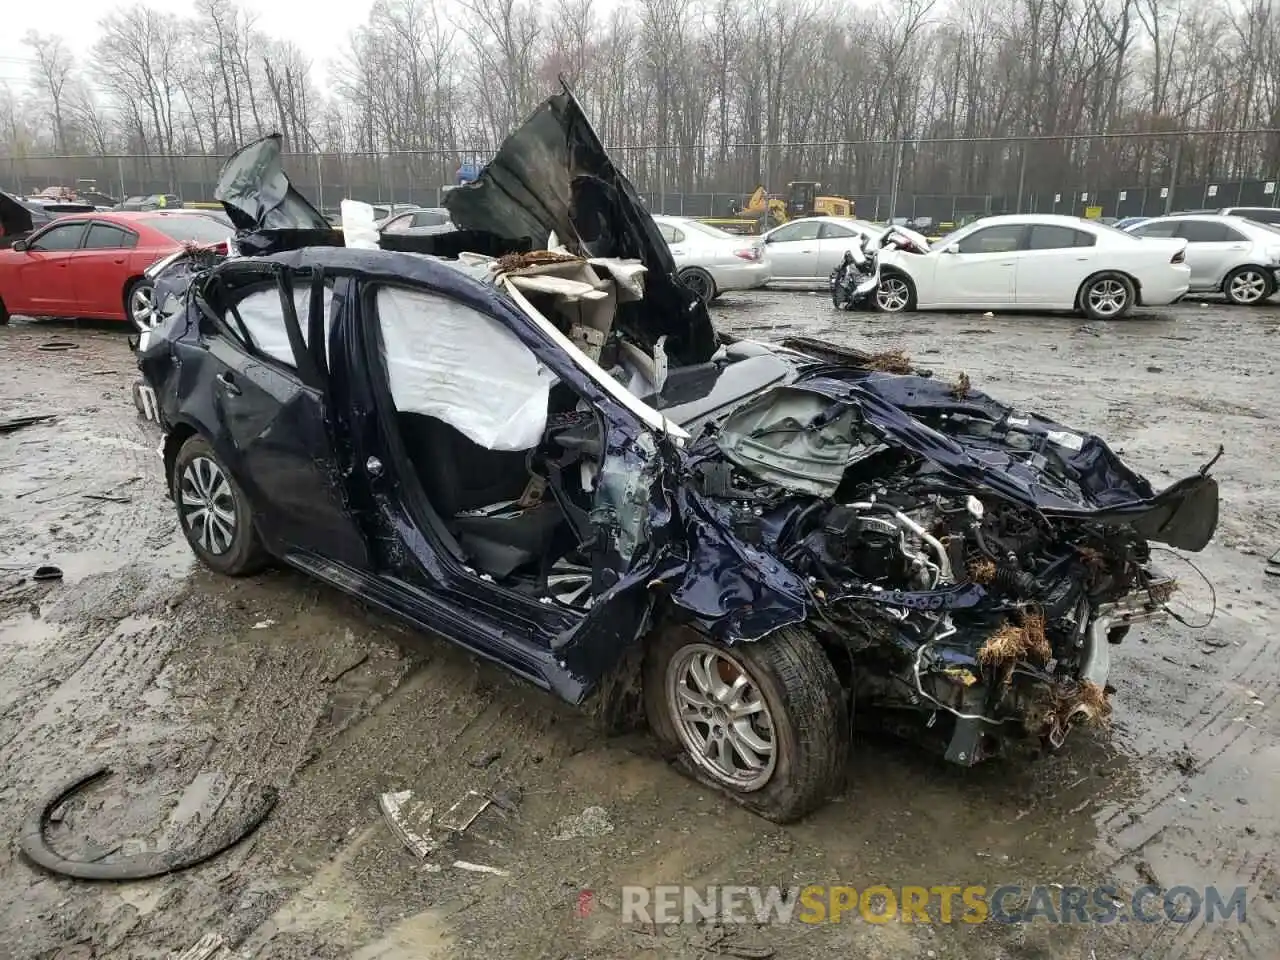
[1247,285]
[763,721]
[4,314]
[215,515]
[1108,296]
[895,294]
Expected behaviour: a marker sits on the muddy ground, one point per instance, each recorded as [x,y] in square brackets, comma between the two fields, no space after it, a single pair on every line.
[190,685]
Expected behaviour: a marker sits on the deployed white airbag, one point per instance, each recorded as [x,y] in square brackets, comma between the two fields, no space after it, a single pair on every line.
[358,228]
[263,317]
[447,361]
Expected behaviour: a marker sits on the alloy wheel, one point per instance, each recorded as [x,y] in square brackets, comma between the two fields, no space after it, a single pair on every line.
[893,295]
[207,505]
[721,716]
[1247,286]
[569,583]
[142,307]
[1107,298]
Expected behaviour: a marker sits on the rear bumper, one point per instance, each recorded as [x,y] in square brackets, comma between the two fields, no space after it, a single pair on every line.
[745,277]
[1163,290]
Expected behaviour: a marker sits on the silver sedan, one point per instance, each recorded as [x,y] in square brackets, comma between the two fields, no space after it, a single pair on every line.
[804,252]
[1230,255]
[711,261]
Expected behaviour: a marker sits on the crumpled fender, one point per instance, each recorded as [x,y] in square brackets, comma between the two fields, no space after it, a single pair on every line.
[734,591]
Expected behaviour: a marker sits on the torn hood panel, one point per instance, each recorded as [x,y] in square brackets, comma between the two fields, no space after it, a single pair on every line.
[553,176]
[806,444]
[253,189]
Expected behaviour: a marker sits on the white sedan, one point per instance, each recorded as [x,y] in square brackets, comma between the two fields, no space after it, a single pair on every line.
[711,261]
[1036,262]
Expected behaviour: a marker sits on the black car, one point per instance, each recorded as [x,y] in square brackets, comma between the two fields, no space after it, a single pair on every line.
[20,217]
[553,459]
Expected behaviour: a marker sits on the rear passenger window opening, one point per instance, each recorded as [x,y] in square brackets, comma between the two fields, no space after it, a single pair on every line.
[504,454]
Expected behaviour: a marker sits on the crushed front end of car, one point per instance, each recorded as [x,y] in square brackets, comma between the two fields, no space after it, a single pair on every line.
[966,566]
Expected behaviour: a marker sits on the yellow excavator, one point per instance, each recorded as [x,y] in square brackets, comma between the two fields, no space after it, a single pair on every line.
[762,211]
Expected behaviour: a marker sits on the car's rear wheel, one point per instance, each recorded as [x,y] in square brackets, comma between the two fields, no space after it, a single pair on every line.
[895,294]
[140,304]
[1108,296]
[4,314]
[214,513]
[1247,285]
[764,721]
[700,282]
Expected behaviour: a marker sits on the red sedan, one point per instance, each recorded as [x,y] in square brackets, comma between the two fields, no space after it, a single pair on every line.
[91,265]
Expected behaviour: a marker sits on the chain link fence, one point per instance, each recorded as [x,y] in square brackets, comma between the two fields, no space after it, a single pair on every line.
[930,182]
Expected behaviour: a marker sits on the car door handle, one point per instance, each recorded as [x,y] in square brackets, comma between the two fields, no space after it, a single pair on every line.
[1009,263]
[229,384]
[119,260]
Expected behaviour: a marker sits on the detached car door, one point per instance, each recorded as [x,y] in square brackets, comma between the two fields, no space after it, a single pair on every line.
[793,250]
[101,268]
[1054,264]
[266,389]
[45,284]
[980,269]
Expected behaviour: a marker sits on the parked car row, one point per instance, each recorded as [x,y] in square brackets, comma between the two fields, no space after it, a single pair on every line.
[1025,262]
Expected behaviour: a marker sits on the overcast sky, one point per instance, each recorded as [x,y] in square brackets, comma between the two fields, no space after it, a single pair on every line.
[319,27]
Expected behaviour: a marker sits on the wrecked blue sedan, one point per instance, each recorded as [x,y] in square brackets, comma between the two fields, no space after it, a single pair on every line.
[527,435]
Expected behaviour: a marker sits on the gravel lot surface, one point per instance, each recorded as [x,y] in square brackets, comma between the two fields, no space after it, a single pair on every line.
[190,685]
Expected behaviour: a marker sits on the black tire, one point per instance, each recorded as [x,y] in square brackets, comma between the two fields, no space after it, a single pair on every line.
[1107,296]
[1248,285]
[4,314]
[139,286]
[700,282]
[242,552]
[797,684]
[889,295]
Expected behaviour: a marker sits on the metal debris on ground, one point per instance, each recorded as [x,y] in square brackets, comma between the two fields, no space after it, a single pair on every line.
[408,821]
[480,868]
[212,946]
[47,572]
[1273,564]
[17,423]
[464,812]
[591,822]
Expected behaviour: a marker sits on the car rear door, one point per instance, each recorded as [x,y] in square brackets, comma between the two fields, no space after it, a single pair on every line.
[982,270]
[1213,248]
[267,389]
[793,250]
[1055,262]
[833,240]
[46,286]
[101,268]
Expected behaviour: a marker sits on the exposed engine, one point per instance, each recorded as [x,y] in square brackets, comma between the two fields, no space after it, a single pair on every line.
[955,606]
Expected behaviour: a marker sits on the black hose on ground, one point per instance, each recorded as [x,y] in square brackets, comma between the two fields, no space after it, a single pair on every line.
[141,867]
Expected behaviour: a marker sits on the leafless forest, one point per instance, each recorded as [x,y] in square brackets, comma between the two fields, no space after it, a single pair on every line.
[686,93]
